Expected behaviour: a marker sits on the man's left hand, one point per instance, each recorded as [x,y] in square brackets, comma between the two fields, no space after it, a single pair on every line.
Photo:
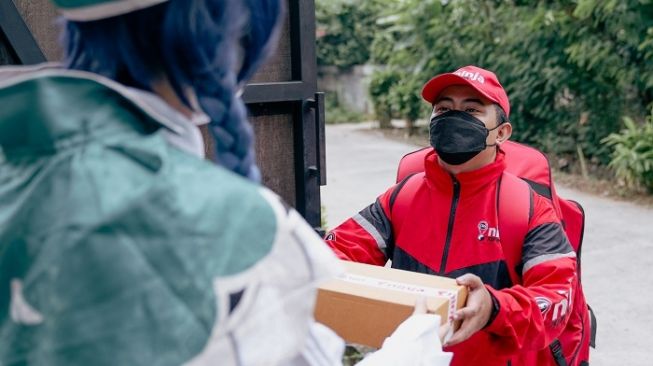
[476,313]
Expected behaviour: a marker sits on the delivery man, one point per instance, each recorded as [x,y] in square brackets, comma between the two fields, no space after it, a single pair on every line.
[448,225]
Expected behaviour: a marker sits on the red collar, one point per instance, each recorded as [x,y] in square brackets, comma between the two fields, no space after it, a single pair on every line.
[469,181]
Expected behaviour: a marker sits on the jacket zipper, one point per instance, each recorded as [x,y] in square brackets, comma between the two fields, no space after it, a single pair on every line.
[452,217]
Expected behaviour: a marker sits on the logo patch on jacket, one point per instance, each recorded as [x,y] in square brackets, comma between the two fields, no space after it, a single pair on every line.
[492,232]
[544,304]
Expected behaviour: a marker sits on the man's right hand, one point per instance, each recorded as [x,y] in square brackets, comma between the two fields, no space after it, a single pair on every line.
[476,313]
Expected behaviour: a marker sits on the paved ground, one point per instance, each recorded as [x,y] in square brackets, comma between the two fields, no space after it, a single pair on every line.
[617,249]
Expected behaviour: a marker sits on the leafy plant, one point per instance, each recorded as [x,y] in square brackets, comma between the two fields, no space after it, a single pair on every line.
[571,68]
[380,93]
[632,155]
[407,102]
[345,31]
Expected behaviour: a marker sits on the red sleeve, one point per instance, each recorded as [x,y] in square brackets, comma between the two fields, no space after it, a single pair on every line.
[532,314]
[367,236]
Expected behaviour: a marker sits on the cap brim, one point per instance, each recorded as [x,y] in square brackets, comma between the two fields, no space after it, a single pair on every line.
[435,86]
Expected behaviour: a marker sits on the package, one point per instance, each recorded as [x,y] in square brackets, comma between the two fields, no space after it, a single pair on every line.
[367,303]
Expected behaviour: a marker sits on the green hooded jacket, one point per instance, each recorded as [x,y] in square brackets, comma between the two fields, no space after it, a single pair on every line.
[117,247]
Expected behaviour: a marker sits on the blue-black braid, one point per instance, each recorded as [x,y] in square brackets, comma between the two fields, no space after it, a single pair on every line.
[214,77]
[195,44]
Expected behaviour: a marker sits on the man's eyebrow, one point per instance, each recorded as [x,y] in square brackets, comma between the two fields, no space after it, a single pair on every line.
[474,100]
[468,100]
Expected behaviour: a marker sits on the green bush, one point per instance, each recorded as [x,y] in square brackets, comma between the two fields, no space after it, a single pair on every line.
[337,113]
[380,92]
[345,31]
[396,94]
[571,68]
[632,154]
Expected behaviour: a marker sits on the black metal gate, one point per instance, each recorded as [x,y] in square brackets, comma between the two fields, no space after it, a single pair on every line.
[286,111]
[17,45]
[287,88]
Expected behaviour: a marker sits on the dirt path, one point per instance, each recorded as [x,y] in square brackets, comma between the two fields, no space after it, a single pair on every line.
[617,251]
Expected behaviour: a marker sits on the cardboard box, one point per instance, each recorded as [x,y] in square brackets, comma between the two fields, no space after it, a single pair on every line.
[367,303]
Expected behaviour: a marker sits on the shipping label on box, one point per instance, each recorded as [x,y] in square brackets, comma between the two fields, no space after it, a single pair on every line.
[367,303]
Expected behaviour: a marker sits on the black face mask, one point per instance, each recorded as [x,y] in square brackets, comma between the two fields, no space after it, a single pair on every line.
[458,136]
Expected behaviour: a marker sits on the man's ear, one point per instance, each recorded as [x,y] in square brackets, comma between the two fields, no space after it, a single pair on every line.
[504,132]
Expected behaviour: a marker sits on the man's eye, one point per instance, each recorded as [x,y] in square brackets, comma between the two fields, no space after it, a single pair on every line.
[471,110]
[441,109]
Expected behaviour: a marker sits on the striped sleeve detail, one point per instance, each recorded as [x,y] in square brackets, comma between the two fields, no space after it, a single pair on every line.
[544,243]
[369,227]
[545,258]
[374,220]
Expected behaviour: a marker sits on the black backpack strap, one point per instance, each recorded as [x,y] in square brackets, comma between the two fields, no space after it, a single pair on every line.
[592,327]
[556,351]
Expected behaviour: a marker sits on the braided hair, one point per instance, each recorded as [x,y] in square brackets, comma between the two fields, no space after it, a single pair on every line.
[210,46]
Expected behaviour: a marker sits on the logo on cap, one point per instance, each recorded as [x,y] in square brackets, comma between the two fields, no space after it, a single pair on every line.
[484,81]
[472,76]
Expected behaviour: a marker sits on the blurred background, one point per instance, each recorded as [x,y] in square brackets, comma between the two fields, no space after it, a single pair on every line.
[579,74]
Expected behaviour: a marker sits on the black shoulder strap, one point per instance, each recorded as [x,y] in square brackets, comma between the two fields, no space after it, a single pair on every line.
[556,351]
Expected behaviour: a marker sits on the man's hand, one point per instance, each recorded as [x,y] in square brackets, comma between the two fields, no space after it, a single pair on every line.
[476,313]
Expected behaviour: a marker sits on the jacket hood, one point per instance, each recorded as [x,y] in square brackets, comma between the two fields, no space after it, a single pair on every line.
[45,107]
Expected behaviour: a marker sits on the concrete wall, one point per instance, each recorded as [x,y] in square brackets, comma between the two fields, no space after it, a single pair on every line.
[350,86]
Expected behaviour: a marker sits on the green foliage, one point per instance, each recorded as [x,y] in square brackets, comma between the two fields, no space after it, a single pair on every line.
[380,92]
[323,217]
[632,157]
[345,31]
[571,68]
[406,100]
[352,356]
[355,353]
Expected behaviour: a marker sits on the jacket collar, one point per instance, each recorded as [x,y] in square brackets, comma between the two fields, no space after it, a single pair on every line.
[470,182]
[42,84]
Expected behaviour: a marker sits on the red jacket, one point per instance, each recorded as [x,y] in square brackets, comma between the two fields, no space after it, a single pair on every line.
[451,228]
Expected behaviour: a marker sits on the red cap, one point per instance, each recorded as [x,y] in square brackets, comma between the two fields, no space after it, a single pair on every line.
[485,82]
